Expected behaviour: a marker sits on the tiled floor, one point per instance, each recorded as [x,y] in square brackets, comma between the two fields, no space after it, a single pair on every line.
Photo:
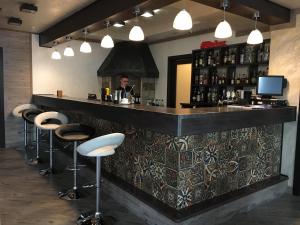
[27,198]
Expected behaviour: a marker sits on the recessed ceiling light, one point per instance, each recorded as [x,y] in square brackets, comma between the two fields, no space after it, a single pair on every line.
[14,21]
[28,8]
[148,14]
[156,10]
[119,24]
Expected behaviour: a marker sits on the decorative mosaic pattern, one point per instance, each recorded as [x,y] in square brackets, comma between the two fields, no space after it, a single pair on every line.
[182,171]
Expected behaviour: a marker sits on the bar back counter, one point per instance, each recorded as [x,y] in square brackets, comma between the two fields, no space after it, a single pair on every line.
[182,161]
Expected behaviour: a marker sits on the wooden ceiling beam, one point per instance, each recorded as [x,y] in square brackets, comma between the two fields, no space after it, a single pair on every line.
[93,17]
[270,13]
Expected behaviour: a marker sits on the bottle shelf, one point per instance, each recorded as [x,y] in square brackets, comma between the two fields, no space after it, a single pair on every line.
[223,63]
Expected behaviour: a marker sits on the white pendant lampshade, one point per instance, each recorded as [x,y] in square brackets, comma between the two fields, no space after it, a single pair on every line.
[223,30]
[69,51]
[56,55]
[107,42]
[136,34]
[183,21]
[85,47]
[255,37]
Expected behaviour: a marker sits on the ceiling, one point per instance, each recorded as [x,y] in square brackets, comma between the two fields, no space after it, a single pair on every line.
[156,29]
[160,26]
[291,4]
[49,13]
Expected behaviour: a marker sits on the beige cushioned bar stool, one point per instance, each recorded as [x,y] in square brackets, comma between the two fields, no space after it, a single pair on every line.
[98,147]
[17,112]
[49,126]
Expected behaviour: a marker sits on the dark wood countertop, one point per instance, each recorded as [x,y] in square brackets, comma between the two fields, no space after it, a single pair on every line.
[178,122]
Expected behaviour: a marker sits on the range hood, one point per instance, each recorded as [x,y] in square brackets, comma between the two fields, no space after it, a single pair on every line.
[129,58]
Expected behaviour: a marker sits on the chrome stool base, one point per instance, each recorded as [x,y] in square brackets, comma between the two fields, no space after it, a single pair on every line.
[69,195]
[91,219]
[34,162]
[46,172]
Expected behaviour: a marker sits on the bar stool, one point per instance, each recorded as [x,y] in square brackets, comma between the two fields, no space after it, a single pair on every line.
[49,126]
[73,133]
[17,112]
[29,116]
[98,147]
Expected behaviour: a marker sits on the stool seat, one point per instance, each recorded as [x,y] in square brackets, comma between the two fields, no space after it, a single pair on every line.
[101,146]
[17,111]
[74,132]
[30,114]
[43,120]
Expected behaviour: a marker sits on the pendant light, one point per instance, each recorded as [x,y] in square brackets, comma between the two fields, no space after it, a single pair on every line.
[136,33]
[55,54]
[223,29]
[107,41]
[69,52]
[85,47]
[255,37]
[183,21]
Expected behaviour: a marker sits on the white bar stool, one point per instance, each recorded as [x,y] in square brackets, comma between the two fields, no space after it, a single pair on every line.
[98,147]
[39,122]
[17,112]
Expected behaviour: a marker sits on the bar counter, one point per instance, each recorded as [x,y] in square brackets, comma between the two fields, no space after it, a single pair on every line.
[178,122]
[184,157]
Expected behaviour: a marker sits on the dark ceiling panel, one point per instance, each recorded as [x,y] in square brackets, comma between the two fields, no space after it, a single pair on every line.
[271,13]
[93,17]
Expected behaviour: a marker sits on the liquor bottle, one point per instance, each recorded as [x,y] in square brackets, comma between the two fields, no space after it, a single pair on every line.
[246,79]
[197,79]
[209,96]
[253,78]
[213,79]
[232,57]
[196,62]
[242,56]
[238,81]
[260,54]
[220,80]
[202,96]
[232,79]
[198,96]
[266,54]
[205,79]
[225,57]
[216,79]
[217,60]
[223,78]
[200,63]
[209,63]
[194,97]
[200,79]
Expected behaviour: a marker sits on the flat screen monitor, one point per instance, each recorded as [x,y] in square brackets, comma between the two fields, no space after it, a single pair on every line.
[270,85]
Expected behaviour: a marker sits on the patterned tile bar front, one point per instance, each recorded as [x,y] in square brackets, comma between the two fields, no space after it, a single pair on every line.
[184,171]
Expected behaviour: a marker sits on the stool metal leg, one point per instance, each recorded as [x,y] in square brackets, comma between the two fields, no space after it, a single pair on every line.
[51,148]
[50,169]
[75,165]
[98,183]
[37,146]
[25,134]
[73,193]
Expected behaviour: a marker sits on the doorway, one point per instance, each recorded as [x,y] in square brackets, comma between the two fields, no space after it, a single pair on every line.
[2,124]
[179,80]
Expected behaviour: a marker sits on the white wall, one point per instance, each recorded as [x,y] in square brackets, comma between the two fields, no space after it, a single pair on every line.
[284,59]
[76,76]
